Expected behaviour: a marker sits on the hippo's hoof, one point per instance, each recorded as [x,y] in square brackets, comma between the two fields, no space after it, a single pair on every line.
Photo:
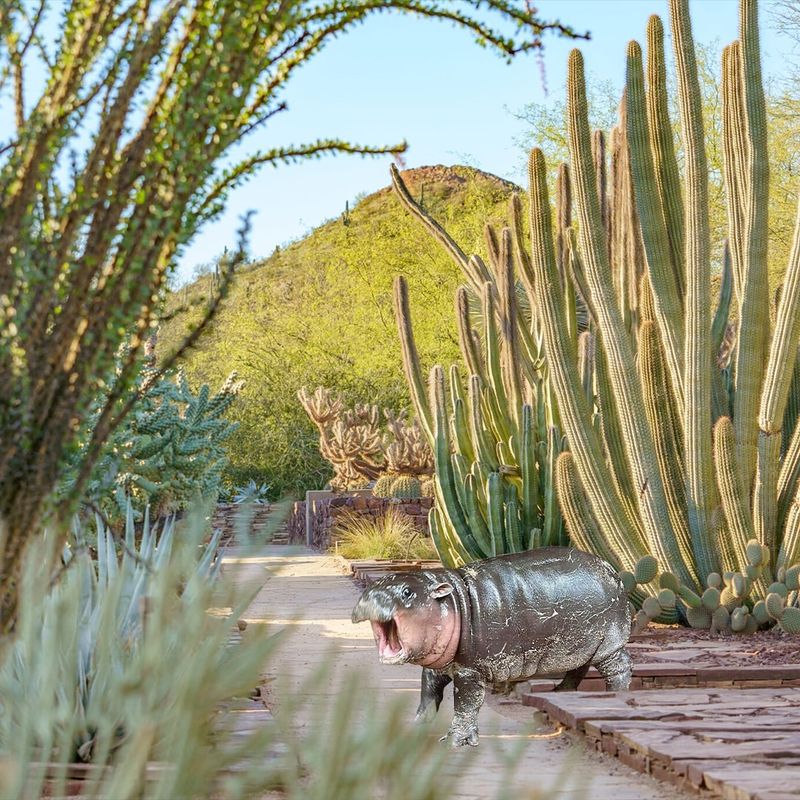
[462,737]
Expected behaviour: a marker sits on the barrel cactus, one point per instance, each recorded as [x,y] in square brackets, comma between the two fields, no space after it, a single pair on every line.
[383,486]
[406,487]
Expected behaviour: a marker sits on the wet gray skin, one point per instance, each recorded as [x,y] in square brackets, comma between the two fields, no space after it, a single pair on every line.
[498,621]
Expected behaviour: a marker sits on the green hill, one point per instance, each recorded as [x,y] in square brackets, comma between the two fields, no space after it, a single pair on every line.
[319,312]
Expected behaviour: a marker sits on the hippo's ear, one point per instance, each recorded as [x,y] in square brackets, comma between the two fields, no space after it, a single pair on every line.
[441,590]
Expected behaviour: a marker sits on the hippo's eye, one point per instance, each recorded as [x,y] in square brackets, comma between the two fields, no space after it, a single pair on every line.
[406,592]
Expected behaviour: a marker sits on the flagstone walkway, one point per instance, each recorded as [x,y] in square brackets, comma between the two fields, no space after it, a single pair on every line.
[307,593]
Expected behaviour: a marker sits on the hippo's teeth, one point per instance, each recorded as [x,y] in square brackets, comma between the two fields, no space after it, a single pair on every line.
[387,638]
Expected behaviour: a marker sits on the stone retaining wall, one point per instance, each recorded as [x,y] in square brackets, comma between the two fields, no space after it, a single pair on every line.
[225,516]
[328,511]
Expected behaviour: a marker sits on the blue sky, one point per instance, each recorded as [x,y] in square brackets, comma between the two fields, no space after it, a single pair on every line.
[399,77]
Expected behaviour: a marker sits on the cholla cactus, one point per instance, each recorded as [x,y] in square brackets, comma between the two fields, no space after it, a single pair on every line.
[354,442]
[350,439]
[170,450]
[406,449]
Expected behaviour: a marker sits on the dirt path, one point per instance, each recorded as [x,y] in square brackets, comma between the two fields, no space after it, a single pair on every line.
[307,592]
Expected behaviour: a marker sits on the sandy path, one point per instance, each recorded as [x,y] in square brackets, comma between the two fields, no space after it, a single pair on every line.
[307,592]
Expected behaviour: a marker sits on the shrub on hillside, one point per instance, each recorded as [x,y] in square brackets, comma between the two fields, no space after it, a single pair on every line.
[277,330]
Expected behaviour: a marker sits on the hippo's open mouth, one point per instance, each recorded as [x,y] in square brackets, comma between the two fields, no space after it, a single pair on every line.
[387,638]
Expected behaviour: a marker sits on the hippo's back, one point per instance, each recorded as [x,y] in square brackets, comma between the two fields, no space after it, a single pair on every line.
[546,610]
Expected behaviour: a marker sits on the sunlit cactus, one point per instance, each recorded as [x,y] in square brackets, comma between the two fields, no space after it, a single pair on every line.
[680,455]
[361,445]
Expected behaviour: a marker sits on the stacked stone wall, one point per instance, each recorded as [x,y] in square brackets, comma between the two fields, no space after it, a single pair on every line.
[225,516]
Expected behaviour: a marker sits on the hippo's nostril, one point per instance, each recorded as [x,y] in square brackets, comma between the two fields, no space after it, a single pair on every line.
[370,607]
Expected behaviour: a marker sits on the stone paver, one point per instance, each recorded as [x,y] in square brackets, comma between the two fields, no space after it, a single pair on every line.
[741,744]
[307,593]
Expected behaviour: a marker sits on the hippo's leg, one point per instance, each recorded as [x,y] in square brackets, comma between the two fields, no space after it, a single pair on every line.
[616,669]
[571,681]
[467,700]
[433,686]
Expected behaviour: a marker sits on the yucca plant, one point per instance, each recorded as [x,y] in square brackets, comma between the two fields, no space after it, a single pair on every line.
[91,672]
[114,595]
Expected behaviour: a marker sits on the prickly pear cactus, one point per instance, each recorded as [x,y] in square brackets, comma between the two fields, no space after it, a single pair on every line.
[735,602]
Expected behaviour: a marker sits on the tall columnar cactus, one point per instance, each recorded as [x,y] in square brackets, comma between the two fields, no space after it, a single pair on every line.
[709,505]
[493,431]
[683,467]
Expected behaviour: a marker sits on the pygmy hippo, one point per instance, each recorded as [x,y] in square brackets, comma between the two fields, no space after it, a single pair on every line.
[505,619]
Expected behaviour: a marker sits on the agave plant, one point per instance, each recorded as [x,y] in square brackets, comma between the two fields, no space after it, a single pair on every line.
[151,635]
[251,492]
[114,595]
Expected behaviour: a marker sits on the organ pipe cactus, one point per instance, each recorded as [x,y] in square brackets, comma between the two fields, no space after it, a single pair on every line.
[493,433]
[683,459]
[712,471]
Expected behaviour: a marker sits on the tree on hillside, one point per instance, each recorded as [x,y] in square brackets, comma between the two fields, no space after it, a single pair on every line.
[125,111]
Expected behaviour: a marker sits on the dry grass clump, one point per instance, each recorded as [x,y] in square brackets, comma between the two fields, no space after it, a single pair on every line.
[392,535]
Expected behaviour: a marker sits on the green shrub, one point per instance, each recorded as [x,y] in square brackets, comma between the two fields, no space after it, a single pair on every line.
[355,351]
